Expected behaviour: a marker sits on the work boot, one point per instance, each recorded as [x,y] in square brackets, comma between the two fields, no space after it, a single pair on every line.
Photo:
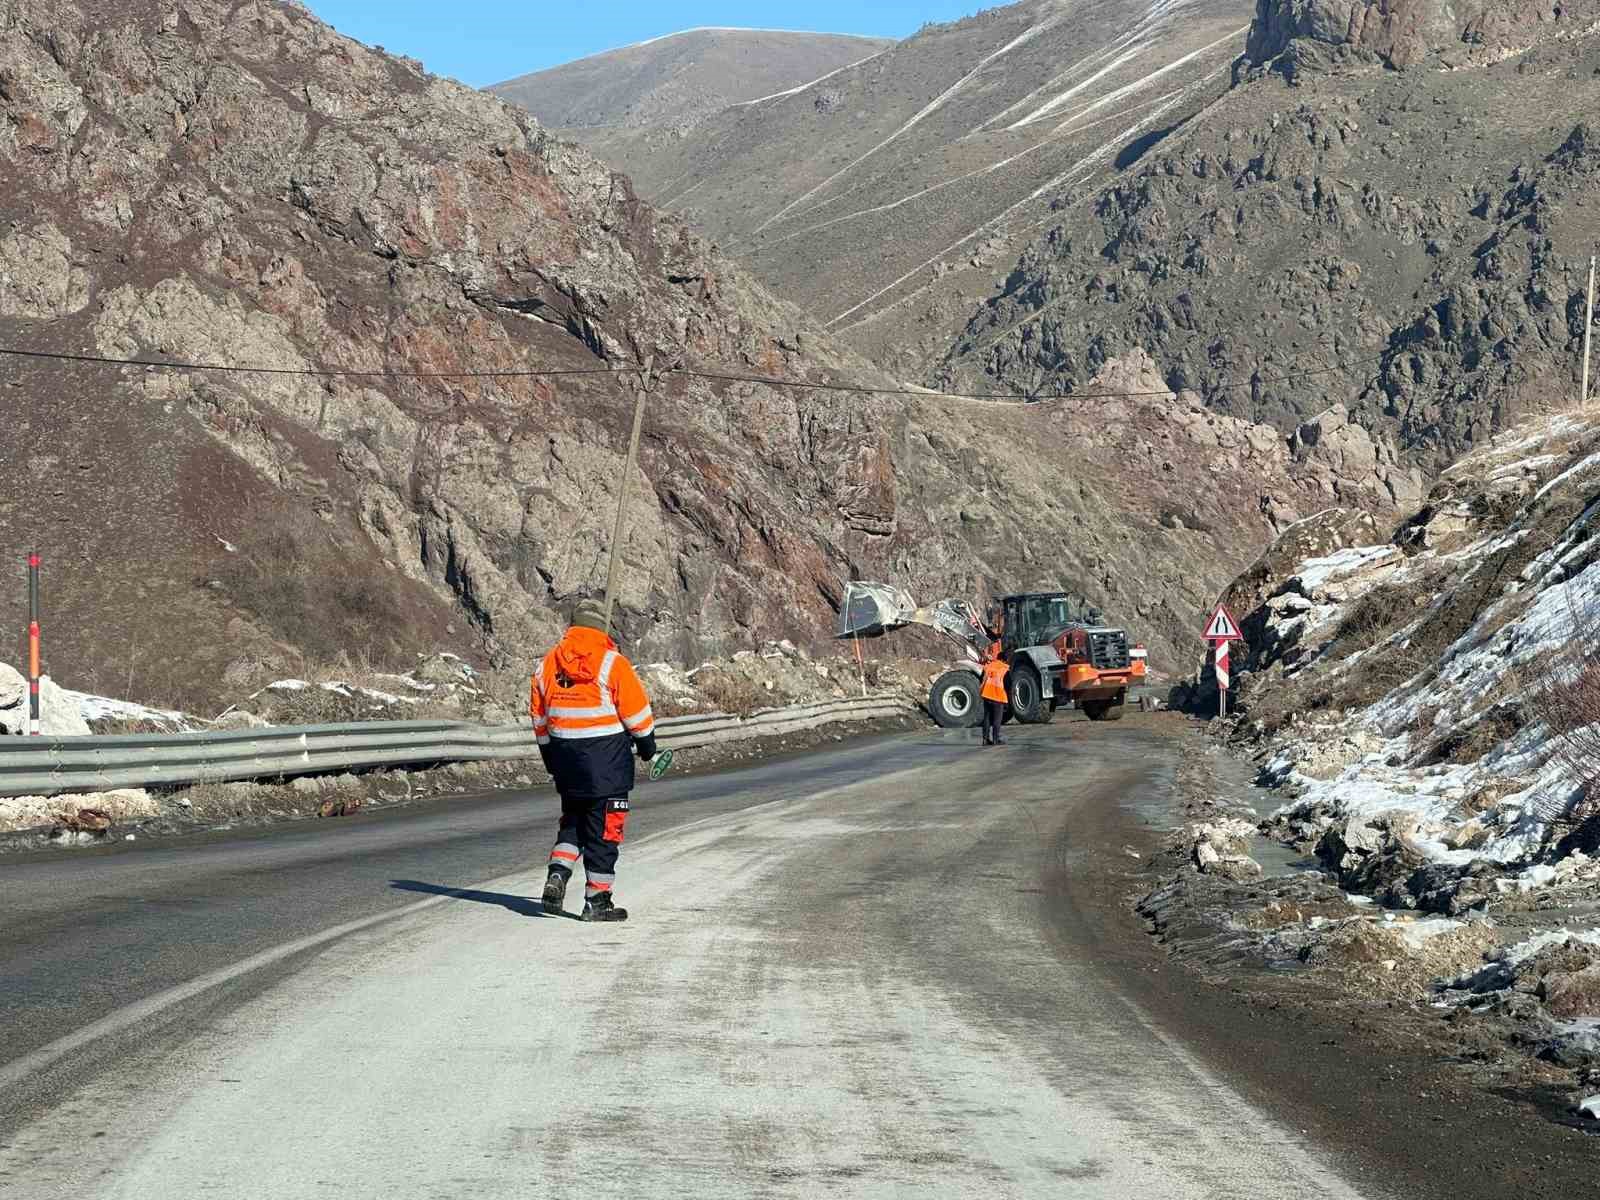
[600,908]
[555,893]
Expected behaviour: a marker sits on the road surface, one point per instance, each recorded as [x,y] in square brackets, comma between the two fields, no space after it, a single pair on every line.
[850,974]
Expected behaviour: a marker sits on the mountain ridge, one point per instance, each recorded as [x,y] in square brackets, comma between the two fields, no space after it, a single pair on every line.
[678,78]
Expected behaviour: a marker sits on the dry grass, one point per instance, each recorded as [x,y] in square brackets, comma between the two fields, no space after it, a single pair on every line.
[294,577]
[730,692]
[1469,743]
[1565,695]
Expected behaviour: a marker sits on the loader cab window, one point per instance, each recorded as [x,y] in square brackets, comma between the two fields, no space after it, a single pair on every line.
[1034,620]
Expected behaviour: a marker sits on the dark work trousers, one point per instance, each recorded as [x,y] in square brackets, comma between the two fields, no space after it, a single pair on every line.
[592,829]
[994,712]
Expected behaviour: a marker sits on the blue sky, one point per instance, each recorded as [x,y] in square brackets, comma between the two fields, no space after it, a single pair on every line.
[486,41]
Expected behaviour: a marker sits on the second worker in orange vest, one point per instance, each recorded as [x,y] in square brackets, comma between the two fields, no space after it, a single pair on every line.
[590,716]
[994,696]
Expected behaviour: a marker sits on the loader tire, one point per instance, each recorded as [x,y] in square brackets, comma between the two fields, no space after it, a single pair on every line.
[1028,704]
[1103,710]
[953,701]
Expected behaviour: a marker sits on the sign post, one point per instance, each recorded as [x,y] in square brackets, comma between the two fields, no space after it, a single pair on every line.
[1220,630]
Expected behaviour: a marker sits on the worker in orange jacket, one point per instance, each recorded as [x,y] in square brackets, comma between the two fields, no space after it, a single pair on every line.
[994,695]
[590,716]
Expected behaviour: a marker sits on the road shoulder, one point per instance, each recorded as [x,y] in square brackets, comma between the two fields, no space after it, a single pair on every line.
[1367,1077]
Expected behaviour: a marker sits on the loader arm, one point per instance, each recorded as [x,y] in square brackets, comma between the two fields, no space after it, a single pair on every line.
[873,609]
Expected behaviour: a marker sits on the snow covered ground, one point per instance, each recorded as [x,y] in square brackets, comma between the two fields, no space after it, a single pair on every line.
[1467,617]
[1398,695]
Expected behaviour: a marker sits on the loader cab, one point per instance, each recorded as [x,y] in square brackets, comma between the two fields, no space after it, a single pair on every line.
[1038,619]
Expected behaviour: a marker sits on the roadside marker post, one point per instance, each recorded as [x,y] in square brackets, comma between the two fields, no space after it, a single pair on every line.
[33,644]
[1220,630]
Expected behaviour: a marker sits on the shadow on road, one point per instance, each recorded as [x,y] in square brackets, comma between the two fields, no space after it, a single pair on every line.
[520,905]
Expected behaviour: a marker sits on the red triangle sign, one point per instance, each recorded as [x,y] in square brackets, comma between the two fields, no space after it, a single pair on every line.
[1222,627]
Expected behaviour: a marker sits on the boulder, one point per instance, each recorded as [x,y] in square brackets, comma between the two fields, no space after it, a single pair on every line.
[1222,848]
[1573,995]
[13,687]
[59,715]
[1573,1049]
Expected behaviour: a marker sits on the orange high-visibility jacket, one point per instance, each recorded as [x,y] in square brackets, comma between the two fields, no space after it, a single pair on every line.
[588,710]
[994,680]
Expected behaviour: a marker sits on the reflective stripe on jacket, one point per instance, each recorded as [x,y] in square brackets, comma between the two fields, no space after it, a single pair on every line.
[588,710]
[994,680]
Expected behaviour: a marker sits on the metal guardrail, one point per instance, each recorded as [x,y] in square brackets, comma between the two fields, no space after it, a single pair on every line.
[43,766]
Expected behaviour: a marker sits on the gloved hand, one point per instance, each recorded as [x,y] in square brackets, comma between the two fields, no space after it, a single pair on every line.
[646,746]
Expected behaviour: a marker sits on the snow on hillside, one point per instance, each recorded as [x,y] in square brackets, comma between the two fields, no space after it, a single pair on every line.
[1394,688]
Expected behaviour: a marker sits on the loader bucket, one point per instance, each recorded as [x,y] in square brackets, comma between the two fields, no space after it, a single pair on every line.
[872,609]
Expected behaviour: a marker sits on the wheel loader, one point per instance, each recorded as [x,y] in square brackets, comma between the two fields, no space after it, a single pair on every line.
[1060,652]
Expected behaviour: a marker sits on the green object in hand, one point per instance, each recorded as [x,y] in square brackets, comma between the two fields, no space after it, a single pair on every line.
[663,760]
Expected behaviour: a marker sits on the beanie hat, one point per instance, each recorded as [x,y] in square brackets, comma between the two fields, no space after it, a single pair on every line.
[589,613]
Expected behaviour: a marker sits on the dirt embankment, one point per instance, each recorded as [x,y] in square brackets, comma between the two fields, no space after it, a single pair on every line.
[1410,1099]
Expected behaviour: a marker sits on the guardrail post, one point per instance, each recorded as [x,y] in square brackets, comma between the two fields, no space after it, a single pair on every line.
[33,644]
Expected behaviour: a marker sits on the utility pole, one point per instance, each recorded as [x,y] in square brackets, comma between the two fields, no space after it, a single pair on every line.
[1588,329]
[645,380]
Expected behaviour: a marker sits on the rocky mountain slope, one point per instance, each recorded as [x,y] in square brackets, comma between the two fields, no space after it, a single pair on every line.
[890,198]
[230,182]
[1427,702]
[1392,210]
[669,82]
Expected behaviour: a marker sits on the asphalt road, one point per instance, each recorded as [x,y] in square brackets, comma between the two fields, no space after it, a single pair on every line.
[846,973]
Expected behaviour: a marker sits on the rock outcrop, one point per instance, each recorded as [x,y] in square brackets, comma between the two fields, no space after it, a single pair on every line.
[1412,247]
[1407,33]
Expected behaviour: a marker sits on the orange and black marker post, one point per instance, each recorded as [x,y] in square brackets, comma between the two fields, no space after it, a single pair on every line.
[33,645]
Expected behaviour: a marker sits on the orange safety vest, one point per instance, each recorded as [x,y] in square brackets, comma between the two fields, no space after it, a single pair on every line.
[586,689]
[994,680]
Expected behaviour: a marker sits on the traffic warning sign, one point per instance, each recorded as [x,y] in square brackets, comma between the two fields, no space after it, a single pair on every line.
[1222,627]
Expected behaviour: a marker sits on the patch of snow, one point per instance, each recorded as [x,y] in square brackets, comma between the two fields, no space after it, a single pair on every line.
[1126,90]
[927,111]
[103,708]
[1572,472]
[1071,175]
[1417,934]
[795,91]
[1315,574]
[667,37]
[1515,956]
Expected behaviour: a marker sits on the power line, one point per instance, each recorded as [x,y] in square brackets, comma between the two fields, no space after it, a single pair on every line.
[688,372]
[317,372]
[1018,397]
